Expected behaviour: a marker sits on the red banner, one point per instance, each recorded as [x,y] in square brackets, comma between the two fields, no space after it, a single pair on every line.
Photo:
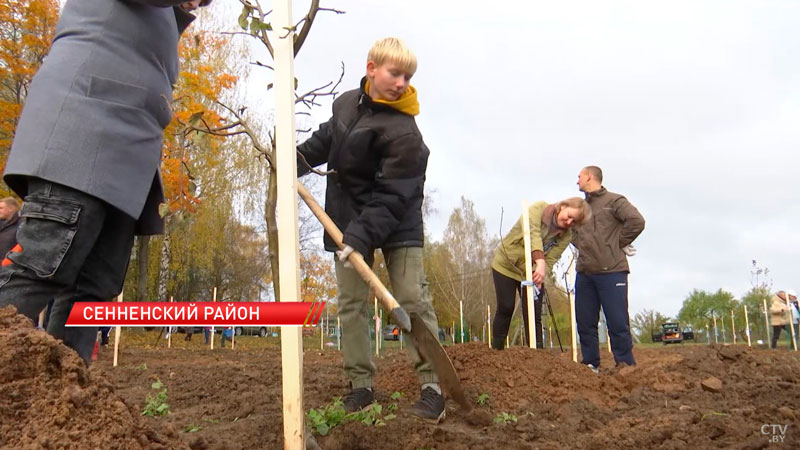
[93,314]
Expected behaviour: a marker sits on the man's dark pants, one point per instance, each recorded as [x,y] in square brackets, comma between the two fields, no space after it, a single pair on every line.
[609,291]
[75,248]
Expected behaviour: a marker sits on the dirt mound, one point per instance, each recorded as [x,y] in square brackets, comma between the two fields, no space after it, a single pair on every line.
[690,396]
[49,400]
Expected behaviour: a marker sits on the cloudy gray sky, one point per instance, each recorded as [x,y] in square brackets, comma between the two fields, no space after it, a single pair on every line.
[692,109]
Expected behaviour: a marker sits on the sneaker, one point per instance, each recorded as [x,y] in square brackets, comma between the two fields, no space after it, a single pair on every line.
[430,406]
[357,399]
[593,368]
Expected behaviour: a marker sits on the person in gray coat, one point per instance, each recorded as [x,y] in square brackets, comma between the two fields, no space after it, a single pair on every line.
[86,155]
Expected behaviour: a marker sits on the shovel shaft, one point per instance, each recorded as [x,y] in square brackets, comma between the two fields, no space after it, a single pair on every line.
[357,260]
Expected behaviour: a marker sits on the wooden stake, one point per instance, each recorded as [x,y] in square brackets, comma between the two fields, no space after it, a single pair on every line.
[766,322]
[288,236]
[526,238]
[338,334]
[747,326]
[791,322]
[608,339]
[716,337]
[377,329]
[214,299]
[572,317]
[169,337]
[489,325]
[733,328]
[454,332]
[401,338]
[380,317]
[117,333]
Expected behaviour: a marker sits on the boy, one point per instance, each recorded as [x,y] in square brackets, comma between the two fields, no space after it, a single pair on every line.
[377,161]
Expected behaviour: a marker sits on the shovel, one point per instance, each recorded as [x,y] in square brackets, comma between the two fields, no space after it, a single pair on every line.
[425,342]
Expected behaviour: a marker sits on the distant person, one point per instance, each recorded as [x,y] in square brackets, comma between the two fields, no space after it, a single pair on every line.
[780,315]
[795,314]
[375,197]
[9,215]
[603,244]
[86,156]
[550,234]
[104,332]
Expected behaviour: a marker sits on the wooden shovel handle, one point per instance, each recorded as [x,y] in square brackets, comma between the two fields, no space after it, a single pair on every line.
[355,258]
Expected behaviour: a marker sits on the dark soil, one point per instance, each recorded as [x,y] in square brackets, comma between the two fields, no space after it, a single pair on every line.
[226,399]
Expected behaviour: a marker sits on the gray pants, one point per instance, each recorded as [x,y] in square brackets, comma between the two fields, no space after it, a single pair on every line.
[410,288]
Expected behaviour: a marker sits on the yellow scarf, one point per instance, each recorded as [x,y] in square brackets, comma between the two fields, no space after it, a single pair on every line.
[406,104]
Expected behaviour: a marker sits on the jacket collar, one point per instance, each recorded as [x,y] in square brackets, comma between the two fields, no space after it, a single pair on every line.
[366,100]
[182,18]
[11,221]
[590,195]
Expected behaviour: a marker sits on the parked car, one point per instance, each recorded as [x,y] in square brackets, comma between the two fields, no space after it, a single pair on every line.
[391,333]
[252,331]
[657,336]
[671,333]
[688,334]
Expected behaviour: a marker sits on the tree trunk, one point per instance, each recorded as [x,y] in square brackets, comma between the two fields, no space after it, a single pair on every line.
[163,272]
[272,229]
[143,258]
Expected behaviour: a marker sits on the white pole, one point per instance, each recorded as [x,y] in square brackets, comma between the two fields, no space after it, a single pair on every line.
[401,338]
[117,333]
[550,333]
[214,299]
[489,325]
[608,339]
[766,321]
[747,325]
[733,328]
[526,238]
[461,320]
[380,325]
[454,332]
[288,237]
[169,336]
[338,334]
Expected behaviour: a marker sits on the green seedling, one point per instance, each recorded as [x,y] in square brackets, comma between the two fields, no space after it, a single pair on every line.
[713,414]
[505,418]
[324,419]
[192,428]
[397,395]
[482,399]
[142,366]
[211,420]
[156,405]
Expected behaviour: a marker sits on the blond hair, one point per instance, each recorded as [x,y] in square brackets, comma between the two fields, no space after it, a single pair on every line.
[394,50]
[584,210]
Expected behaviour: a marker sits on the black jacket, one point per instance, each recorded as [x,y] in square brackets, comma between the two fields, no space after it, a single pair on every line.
[379,158]
[8,234]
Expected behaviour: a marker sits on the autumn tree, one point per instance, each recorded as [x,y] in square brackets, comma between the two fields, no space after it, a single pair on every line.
[459,267]
[254,23]
[646,323]
[26,31]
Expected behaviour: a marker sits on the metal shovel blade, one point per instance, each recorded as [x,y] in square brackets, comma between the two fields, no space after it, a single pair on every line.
[433,352]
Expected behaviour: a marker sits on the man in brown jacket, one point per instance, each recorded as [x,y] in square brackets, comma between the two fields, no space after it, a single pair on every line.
[603,244]
[780,315]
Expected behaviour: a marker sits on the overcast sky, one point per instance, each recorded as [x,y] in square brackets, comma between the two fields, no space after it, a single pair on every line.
[692,110]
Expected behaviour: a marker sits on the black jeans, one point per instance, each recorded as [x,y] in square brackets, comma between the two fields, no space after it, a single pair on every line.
[75,248]
[776,334]
[506,290]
